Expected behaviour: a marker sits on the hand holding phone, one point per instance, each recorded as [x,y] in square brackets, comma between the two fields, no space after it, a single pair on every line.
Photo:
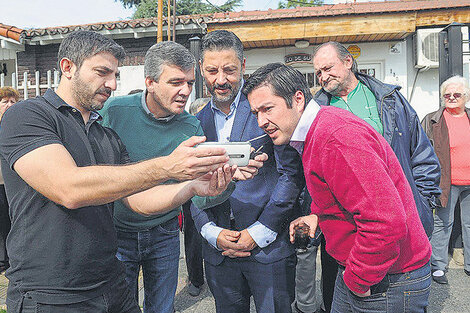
[238,152]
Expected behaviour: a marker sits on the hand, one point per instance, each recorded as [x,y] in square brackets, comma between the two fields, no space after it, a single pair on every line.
[213,184]
[227,241]
[246,244]
[311,220]
[251,170]
[187,162]
[246,241]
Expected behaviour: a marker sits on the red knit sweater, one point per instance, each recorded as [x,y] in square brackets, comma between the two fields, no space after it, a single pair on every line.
[364,202]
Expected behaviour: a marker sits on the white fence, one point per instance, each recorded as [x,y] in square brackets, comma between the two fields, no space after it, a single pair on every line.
[26,85]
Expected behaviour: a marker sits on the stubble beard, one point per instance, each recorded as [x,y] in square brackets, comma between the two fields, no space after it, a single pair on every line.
[335,89]
[85,96]
[228,98]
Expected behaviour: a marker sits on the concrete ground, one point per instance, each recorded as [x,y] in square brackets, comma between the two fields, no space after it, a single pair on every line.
[451,298]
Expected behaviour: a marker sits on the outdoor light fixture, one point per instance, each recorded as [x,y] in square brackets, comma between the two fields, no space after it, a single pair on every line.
[302,44]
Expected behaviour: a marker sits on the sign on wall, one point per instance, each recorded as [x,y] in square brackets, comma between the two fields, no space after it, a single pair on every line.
[355,51]
[297,58]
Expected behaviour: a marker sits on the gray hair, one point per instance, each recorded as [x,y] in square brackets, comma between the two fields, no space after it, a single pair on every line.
[167,53]
[82,44]
[342,52]
[458,80]
[218,40]
[283,80]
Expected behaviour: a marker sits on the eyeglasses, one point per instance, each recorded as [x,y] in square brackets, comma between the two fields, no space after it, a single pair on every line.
[455,95]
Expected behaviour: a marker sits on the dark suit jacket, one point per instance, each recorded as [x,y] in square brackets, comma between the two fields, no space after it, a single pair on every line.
[271,197]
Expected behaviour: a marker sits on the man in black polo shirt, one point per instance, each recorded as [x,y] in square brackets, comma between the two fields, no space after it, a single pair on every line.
[61,174]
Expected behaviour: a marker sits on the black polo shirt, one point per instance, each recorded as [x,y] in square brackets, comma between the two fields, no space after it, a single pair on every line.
[68,255]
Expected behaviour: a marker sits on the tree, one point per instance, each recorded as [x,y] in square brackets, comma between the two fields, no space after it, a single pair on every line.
[298,3]
[148,8]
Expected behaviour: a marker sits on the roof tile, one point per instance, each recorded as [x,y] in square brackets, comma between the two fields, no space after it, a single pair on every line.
[11,32]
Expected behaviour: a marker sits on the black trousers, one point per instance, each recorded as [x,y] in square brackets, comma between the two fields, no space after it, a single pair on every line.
[329,270]
[4,227]
[192,248]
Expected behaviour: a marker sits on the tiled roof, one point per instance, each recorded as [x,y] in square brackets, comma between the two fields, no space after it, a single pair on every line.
[246,16]
[10,32]
[137,23]
[338,10]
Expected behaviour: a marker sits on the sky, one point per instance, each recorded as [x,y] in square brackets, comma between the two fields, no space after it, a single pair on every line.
[49,13]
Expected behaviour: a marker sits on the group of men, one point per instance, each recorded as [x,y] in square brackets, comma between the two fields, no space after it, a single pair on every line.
[89,188]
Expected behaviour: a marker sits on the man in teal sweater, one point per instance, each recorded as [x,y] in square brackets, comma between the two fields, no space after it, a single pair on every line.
[153,123]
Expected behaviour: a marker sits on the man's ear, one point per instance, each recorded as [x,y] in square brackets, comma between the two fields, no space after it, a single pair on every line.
[348,62]
[298,101]
[67,67]
[148,84]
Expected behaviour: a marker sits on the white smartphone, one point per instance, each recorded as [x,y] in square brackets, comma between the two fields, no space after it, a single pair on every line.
[238,152]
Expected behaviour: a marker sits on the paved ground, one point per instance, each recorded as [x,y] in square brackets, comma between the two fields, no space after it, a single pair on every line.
[452,298]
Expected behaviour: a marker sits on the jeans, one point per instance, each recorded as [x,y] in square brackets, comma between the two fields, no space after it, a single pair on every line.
[397,293]
[443,222]
[157,250]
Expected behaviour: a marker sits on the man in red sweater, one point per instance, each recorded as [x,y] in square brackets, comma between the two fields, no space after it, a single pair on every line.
[361,198]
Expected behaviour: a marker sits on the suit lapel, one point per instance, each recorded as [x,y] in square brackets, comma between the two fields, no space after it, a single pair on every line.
[206,117]
[241,117]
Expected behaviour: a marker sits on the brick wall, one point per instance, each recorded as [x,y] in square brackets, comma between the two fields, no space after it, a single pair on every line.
[44,58]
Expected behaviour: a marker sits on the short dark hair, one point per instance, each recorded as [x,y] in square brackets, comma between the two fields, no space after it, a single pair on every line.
[221,40]
[341,50]
[82,44]
[167,53]
[283,80]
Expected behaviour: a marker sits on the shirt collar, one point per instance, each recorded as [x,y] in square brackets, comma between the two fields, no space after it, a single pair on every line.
[94,116]
[147,111]
[300,133]
[235,102]
[53,98]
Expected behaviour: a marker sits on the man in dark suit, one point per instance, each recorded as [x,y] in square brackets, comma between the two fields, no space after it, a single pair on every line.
[246,248]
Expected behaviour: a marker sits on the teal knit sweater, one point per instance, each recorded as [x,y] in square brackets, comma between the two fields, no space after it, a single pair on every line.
[145,137]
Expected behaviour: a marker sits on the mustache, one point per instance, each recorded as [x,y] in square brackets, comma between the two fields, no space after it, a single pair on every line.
[104,90]
[223,86]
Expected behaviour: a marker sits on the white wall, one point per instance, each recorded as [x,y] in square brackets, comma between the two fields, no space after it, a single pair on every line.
[130,78]
[392,65]
[425,97]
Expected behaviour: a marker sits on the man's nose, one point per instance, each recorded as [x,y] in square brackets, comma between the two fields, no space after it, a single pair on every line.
[186,89]
[262,121]
[221,78]
[111,83]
